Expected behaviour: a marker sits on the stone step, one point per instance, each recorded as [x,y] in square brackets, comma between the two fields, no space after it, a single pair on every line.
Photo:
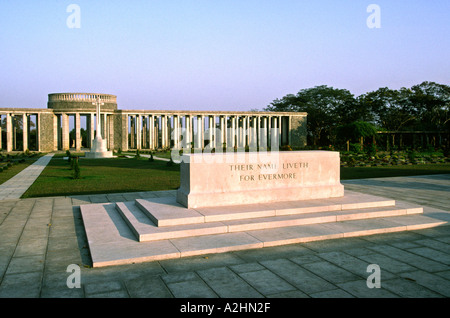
[351,228]
[111,241]
[167,212]
[145,229]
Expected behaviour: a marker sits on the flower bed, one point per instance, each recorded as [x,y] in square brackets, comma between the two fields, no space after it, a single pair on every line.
[349,159]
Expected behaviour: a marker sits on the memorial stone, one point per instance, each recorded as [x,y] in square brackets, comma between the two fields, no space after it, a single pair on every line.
[261,177]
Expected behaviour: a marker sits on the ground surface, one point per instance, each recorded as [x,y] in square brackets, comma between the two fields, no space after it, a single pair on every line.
[41,237]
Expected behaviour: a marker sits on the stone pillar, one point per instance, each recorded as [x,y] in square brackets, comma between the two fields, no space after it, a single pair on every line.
[180,141]
[106,130]
[236,132]
[253,138]
[244,132]
[170,124]
[138,132]
[77,131]
[176,134]
[151,131]
[111,132]
[269,131]
[157,127]
[144,144]
[279,131]
[170,133]
[38,132]
[202,131]
[122,131]
[198,136]
[9,132]
[247,131]
[228,131]
[222,132]
[65,131]
[240,131]
[55,132]
[155,132]
[14,132]
[25,131]
[166,131]
[104,134]
[273,135]
[288,130]
[187,143]
[133,132]
[163,131]
[93,125]
[211,131]
[233,131]
[263,134]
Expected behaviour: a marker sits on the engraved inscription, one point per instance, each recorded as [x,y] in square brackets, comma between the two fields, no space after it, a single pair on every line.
[262,171]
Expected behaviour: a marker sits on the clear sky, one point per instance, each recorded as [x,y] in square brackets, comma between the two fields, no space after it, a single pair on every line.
[217,54]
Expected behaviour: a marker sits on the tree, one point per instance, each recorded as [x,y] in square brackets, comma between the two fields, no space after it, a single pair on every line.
[390,109]
[356,132]
[421,107]
[76,168]
[432,102]
[327,108]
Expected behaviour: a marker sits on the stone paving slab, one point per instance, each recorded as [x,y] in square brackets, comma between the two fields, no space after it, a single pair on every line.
[413,264]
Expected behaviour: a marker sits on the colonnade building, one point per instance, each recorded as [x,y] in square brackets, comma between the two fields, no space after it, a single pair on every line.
[69,123]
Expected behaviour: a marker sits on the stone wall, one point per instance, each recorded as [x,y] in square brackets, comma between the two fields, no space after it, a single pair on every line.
[120,132]
[46,132]
[298,131]
[72,106]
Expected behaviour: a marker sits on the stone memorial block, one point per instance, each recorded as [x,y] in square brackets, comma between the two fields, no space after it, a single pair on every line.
[225,179]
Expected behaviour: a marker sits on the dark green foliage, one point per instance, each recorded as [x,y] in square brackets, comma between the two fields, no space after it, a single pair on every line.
[76,168]
[170,162]
[423,107]
[355,130]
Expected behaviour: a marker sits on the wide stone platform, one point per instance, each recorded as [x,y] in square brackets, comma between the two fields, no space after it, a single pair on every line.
[160,228]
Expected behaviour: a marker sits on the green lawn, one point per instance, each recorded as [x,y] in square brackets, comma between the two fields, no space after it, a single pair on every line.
[133,175]
[105,176]
[393,171]
[10,172]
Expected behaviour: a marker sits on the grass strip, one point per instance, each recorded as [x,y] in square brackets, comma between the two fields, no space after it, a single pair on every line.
[104,176]
[348,173]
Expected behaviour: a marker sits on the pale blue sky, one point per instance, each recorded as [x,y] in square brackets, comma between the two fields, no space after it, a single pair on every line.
[217,54]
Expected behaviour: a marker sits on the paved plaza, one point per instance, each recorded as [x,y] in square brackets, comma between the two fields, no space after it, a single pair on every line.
[41,237]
